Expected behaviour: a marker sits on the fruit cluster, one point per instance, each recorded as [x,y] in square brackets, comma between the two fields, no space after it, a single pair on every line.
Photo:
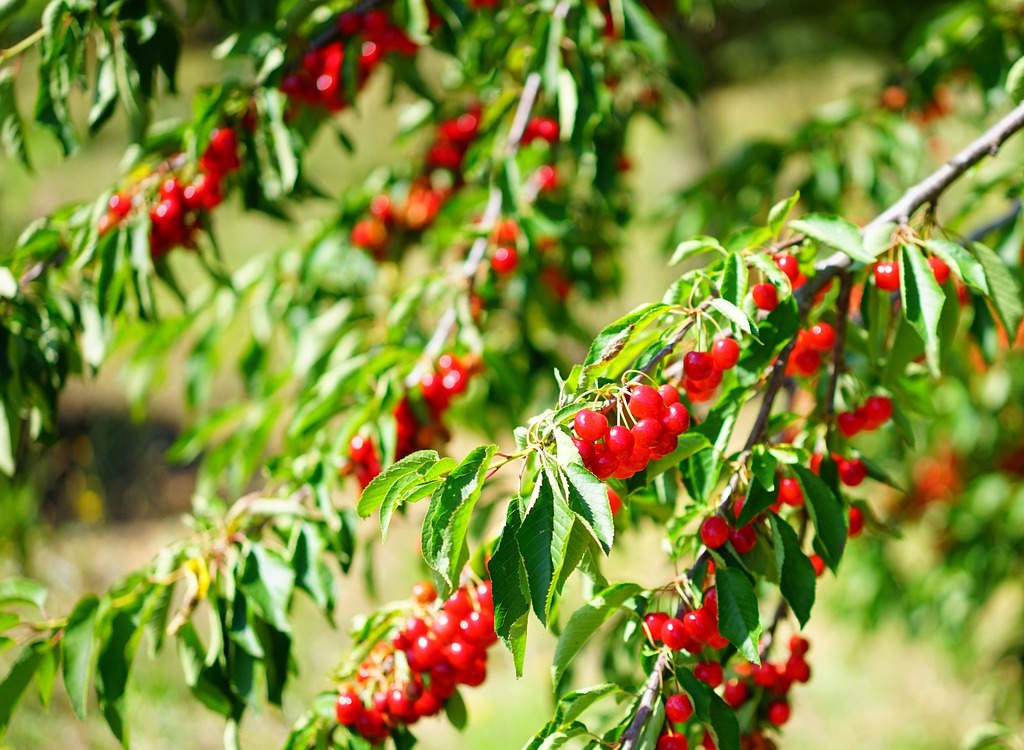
[703,370]
[693,631]
[871,415]
[177,214]
[320,79]
[439,647]
[621,451]
[887,273]
[417,208]
[715,531]
[811,343]
[416,428]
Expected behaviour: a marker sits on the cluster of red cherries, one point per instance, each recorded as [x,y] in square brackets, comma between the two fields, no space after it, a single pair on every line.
[811,343]
[703,370]
[887,273]
[439,647]
[176,216]
[620,451]
[416,430]
[869,416]
[418,208]
[319,81]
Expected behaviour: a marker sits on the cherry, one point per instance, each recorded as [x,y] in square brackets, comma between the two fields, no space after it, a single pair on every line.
[460,655]
[743,539]
[427,704]
[654,622]
[778,713]
[348,708]
[398,703]
[764,675]
[672,742]
[806,361]
[698,625]
[646,432]
[714,532]
[673,634]
[546,177]
[698,365]
[426,652]
[645,402]
[725,353]
[360,449]
[939,269]
[852,473]
[614,501]
[506,232]
[371,725]
[669,394]
[708,743]
[735,693]
[818,564]
[798,645]
[709,672]
[369,234]
[676,419]
[485,595]
[789,265]
[505,259]
[620,441]
[604,463]
[765,295]
[856,521]
[797,669]
[877,411]
[590,425]
[850,423]
[887,276]
[790,492]
[821,337]
[678,708]
[120,204]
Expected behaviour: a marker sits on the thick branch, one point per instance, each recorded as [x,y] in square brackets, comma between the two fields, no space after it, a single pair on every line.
[925,192]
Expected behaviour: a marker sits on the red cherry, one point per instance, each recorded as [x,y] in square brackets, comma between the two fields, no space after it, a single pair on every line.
[646,432]
[778,713]
[371,725]
[460,655]
[797,669]
[654,622]
[673,634]
[766,297]
[818,564]
[939,269]
[676,419]
[698,626]
[645,401]
[790,492]
[614,501]
[799,645]
[735,693]
[546,177]
[669,394]
[423,592]
[743,539]
[120,204]
[714,532]
[590,425]
[850,423]
[445,625]
[348,708]
[426,653]
[399,704]
[789,265]
[381,208]
[360,449]
[856,521]
[877,411]
[852,473]
[821,337]
[604,463]
[887,276]
[505,259]
[725,353]
[620,441]
[806,361]
[369,234]
[506,232]
[672,742]
[678,708]
[709,672]
[427,704]
[698,365]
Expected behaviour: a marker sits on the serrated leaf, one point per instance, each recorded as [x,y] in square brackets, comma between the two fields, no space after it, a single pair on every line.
[826,514]
[922,299]
[835,232]
[76,653]
[543,541]
[1004,292]
[267,581]
[12,128]
[797,579]
[734,279]
[616,335]
[584,622]
[1015,81]
[510,587]
[695,246]
[588,498]
[962,262]
[733,314]
[737,611]
[778,213]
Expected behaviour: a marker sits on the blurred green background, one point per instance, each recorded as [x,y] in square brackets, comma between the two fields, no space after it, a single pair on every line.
[111,501]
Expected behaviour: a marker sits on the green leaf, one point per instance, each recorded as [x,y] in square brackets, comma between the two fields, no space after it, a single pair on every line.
[543,542]
[584,622]
[588,498]
[1005,294]
[568,103]
[1015,81]
[734,279]
[447,518]
[724,725]
[826,514]
[758,499]
[510,587]
[388,489]
[14,684]
[306,549]
[8,436]
[780,212]
[646,29]
[46,673]
[616,335]
[922,299]
[796,573]
[737,611]
[12,128]
[835,232]
[76,653]
[22,590]
[689,248]
[962,262]
[455,710]
[117,642]
[267,581]
[733,314]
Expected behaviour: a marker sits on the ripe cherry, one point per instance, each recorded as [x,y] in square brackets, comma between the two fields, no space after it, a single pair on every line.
[798,645]
[620,441]
[614,501]
[678,708]
[714,532]
[939,269]
[790,492]
[120,204]
[371,725]
[646,432]
[818,564]
[797,669]
[505,259]
[348,708]
[789,265]
[698,625]
[821,337]
[672,742]
[766,297]
[856,521]
[645,401]
[735,693]
[725,353]
[653,623]
[852,472]
[778,713]
[850,423]
[743,539]
[676,419]
[709,672]
[877,411]
[887,276]
[590,425]
[673,634]
[669,394]
[360,449]
[698,365]
[546,177]
[423,592]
